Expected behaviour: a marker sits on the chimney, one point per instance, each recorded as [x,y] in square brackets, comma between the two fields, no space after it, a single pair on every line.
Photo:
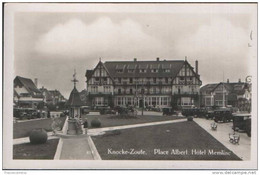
[135,59]
[239,80]
[157,59]
[227,80]
[36,82]
[196,66]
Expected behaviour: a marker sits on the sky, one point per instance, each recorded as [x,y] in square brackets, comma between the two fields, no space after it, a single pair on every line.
[50,45]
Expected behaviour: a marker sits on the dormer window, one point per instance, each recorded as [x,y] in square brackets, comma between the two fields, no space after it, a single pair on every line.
[154,70]
[131,68]
[166,68]
[120,68]
[142,70]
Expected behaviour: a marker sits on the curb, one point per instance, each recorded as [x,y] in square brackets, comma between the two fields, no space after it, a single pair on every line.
[93,149]
[60,144]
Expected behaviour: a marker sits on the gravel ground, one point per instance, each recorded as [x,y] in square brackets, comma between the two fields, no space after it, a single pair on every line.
[177,141]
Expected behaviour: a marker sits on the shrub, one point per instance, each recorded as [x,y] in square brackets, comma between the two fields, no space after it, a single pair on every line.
[95,123]
[190,118]
[62,115]
[38,136]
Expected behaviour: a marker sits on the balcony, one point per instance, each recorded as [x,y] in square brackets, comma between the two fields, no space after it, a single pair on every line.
[186,93]
[100,93]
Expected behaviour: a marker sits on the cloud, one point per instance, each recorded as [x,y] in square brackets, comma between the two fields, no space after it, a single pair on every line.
[103,37]
[219,46]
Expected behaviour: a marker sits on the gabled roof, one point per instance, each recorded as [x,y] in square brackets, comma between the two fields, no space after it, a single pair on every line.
[89,73]
[28,85]
[175,66]
[237,88]
[47,93]
[74,99]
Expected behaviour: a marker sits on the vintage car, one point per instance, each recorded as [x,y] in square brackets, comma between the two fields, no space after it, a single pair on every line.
[168,111]
[242,122]
[190,112]
[222,115]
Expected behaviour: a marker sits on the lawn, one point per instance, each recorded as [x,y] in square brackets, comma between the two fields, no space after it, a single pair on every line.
[108,121]
[176,141]
[37,151]
[23,129]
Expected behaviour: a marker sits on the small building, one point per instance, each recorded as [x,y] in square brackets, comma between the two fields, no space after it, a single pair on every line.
[236,94]
[74,103]
[26,93]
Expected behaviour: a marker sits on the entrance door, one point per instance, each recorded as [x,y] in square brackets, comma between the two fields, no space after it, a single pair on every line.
[141,103]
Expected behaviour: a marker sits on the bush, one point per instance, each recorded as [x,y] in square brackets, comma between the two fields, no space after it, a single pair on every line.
[190,118]
[38,136]
[95,123]
[62,115]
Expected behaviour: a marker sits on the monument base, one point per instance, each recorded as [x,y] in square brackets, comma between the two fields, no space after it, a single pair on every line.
[74,127]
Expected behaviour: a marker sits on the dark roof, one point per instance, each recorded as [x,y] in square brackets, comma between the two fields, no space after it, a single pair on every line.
[47,93]
[28,84]
[89,74]
[175,66]
[74,99]
[237,88]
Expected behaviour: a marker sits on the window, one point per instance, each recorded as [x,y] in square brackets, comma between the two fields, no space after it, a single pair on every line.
[119,91]
[166,80]
[182,78]
[154,70]
[97,79]
[131,70]
[106,88]
[182,73]
[185,101]
[119,101]
[166,70]
[99,101]
[154,80]
[131,80]
[131,91]
[119,70]
[119,80]
[142,70]
[154,101]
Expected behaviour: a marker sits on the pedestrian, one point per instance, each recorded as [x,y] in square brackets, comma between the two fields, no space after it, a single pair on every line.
[85,125]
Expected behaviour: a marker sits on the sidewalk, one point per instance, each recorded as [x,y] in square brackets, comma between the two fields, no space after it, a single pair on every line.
[100,130]
[243,150]
[76,149]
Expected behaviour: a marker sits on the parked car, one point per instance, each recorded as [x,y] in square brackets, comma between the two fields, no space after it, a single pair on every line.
[85,109]
[168,111]
[223,114]
[190,112]
[242,121]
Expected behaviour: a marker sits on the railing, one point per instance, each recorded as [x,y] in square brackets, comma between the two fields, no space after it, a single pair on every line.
[186,93]
[94,93]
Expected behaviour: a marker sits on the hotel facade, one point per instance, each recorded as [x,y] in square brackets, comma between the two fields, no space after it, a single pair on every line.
[158,83]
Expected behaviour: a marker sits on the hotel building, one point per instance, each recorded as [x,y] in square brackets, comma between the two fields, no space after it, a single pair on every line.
[158,83]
